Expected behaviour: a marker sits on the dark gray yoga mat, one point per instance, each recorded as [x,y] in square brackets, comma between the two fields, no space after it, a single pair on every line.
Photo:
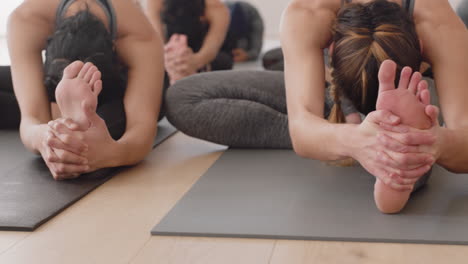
[28,194]
[276,194]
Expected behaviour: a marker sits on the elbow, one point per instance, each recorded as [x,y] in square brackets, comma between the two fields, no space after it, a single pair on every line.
[297,141]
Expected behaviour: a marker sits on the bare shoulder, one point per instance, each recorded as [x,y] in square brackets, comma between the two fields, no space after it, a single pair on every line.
[36,10]
[213,4]
[433,11]
[153,5]
[131,20]
[215,8]
[311,5]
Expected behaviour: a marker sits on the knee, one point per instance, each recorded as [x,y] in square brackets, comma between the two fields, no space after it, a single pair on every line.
[180,101]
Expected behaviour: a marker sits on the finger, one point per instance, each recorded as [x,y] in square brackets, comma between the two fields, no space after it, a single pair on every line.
[383,116]
[415,79]
[413,138]
[405,77]
[414,173]
[409,162]
[67,171]
[397,129]
[70,158]
[391,165]
[49,155]
[66,121]
[404,181]
[389,180]
[396,146]
[67,142]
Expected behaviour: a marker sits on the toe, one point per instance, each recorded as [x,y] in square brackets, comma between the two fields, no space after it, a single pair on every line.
[387,73]
[89,75]
[97,88]
[405,77]
[96,76]
[415,80]
[72,70]
[84,70]
[424,94]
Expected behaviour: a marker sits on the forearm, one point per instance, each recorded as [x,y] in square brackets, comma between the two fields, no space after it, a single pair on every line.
[130,149]
[218,17]
[454,150]
[32,134]
[316,138]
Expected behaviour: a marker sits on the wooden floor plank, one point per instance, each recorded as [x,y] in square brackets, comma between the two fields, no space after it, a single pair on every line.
[366,253]
[193,250]
[113,223]
[8,239]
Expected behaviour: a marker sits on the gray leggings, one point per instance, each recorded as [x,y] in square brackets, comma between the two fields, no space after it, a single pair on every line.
[241,109]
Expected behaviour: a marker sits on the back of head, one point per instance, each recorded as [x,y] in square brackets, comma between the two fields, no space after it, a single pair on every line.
[364,36]
[184,17]
[80,37]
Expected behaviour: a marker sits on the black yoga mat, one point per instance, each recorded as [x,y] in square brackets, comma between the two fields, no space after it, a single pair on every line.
[29,196]
[276,194]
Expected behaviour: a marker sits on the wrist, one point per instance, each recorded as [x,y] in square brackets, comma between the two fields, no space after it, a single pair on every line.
[350,139]
[113,157]
[197,61]
[33,136]
[444,142]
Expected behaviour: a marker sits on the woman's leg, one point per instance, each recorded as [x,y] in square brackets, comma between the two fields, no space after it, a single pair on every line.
[241,109]
[10,116]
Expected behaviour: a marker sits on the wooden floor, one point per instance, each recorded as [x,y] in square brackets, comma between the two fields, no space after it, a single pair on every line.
[112,225]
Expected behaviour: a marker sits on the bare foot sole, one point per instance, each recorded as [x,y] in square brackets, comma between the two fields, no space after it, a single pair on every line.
[408,102]
[77,92]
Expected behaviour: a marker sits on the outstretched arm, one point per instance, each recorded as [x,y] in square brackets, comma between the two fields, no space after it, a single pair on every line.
[305,32]
[140,48]
[444,38]
[28,28]
[217,15]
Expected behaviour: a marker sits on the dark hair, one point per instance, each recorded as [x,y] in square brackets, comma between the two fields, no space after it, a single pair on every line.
[184,17]
[365,35]
[81,37]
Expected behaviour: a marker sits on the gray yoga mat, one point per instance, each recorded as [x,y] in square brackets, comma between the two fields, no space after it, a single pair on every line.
[277,195]
[28,194]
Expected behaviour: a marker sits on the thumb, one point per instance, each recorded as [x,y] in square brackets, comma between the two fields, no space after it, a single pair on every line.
[383,116]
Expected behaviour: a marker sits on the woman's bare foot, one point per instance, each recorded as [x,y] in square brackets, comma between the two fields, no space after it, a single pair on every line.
[77,92]
[405,101]
[408,102]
